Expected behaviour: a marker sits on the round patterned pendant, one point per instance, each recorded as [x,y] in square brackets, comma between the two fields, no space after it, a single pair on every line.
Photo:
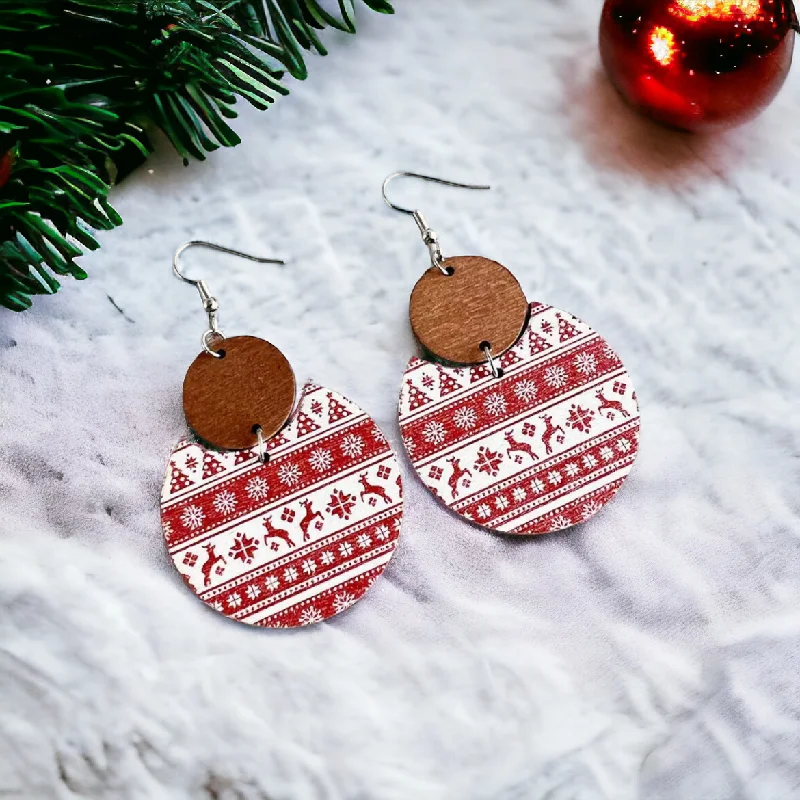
[539,449]
[295,540]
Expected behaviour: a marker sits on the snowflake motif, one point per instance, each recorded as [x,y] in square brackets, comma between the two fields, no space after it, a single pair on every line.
[433,433]
[585,363]
[342,601]
[560,522]
[234,600]
[606,453]
[352,445]
[341,504]
[589,461]
[363,541]
[327,558]
[290,574]
[225,503]
[216,605]
[257,488]
[590,509]
[244,548]
[271,582]
[554,477]
[495,404]
[465,418]
[572,469]
[345,549]
[525,390]
[484,511]
[316,407]
[556,377]
[320,460]
[547,326]
[537,486]
[488,461]
[191,462]
[623,445]
[410,445]
[192,517]
[608,352]
[427,381]
[519,494]
[253,591]
[168,530]
[382,533]
[310,615]
[309,566]
[501,502]
[289,474]
[580,418]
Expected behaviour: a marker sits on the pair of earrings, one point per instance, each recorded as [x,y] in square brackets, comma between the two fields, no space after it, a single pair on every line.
[517,416]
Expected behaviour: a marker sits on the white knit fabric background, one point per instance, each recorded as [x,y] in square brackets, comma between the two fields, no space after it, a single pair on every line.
[651,653]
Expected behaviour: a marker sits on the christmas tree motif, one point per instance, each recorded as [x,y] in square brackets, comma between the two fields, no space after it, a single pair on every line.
[416,397]
[508,358]
[305,425]
[537,343]
[211,466]
[479,373]
[336,410]
[178,481]
[566,330]
[447,383]
[243,456]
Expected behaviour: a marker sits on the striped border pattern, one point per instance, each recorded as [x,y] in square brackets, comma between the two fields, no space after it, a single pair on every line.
[537,450]
[298,539]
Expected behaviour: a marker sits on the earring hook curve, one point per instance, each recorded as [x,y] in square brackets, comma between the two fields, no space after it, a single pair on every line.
[211,246]
[210,304]
[420,176]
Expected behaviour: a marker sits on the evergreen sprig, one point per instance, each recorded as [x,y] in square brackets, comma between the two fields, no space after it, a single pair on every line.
[81,82]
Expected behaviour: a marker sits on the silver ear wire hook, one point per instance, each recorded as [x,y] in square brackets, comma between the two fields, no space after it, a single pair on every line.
[429,236]
[210,304]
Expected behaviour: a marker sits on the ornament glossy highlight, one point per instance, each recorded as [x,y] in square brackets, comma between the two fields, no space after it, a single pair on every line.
[697,65]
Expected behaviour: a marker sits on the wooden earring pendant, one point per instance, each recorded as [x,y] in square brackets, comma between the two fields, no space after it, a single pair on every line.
[519,417]
[275,514]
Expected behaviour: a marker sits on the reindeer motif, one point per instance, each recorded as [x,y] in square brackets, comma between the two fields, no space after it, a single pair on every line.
[212,558]
[308,518]
[549,432]
[373,489]
[515,446]
[459,472]
[611,405]
[276,533]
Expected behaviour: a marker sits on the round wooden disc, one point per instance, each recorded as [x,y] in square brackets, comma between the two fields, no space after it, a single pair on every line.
[224,399]
[481,301]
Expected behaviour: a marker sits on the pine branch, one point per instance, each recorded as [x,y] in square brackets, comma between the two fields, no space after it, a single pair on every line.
[85,77]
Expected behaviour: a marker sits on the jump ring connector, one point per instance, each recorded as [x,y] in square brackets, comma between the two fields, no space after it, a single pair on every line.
[263,456]
[497,372]
[206,346]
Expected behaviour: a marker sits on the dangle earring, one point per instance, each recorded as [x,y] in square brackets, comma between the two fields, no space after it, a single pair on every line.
[275,515]
[517,416]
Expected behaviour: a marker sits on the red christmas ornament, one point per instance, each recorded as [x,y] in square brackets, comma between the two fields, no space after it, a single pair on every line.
[698,65]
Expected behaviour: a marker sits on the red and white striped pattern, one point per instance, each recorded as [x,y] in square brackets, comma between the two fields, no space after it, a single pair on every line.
[539,449]
[295,540]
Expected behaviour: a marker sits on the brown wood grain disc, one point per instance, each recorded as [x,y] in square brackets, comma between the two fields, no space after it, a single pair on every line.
[225,398]
[481,301]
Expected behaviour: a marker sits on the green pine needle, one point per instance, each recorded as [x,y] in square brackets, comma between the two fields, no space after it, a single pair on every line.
[80,80]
